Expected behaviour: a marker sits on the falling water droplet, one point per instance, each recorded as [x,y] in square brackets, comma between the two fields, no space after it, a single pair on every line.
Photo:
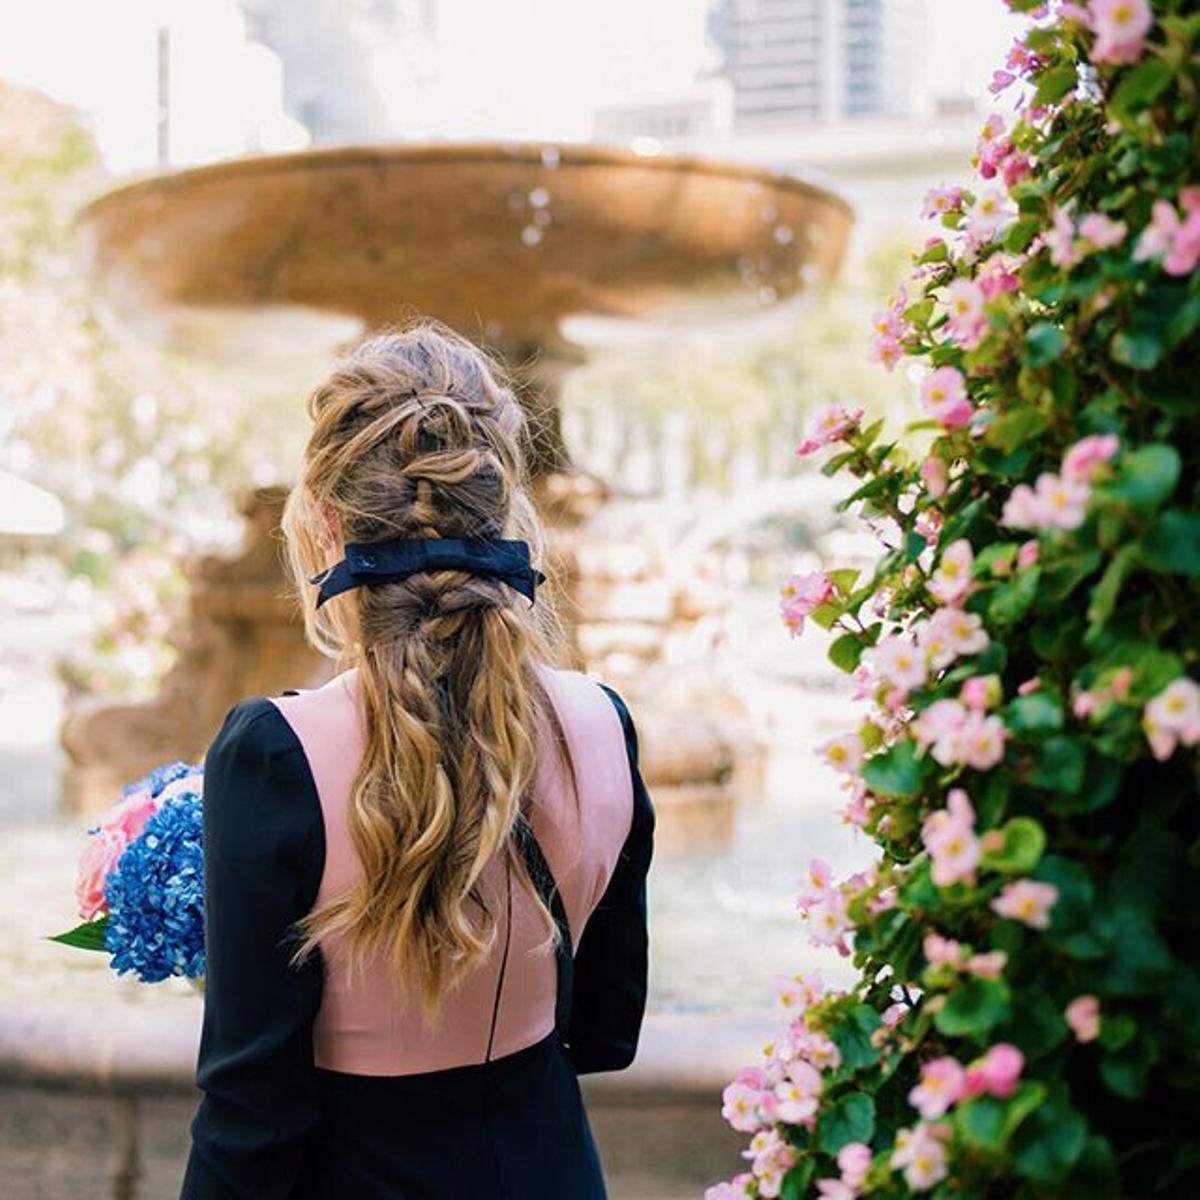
[542,216]
[539,197]
[768,295]
[551,157]
[531,235]
[769,212]
[784,234]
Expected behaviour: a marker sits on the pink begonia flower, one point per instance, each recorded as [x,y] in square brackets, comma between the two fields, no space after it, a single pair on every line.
[99,859]
[1083,704]
[978,743]
[741,1102]
[815,1048]
[1083,1016]
[1064,252]
[941,720]
[1185,248]
[891,328]
[1028,554]
[963,632]
[949,836]
[944,395]
[1022,509]
[835,1189]
[921,1152]
[936,476]
[996,1074]
[894,1014]
[844,753]
[1061,503]
[968,322]
[800,596]
[816,887]
[1015,167]
[854,1162]
[1158,237]
[799,1094]
[998,275]
[1173,716]
[987,966]
[738,1188]
[1028,902]
[829,922]
[857,811]
[799,992]
[129,815]
[952,580]
[981,692]
[897,661]
[940,1088]
[1000,81]
[1120,27]
[773,1157]
[1029,685]
[988,215]
[929,525]
[942,951]
[1083,461]
[829,424]
[1102,231]
[941,200]
[1071,12]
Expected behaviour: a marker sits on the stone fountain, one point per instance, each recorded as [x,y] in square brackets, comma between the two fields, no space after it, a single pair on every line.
[515,245]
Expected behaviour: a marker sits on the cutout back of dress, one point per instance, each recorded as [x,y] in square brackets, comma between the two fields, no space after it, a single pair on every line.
[371,1024]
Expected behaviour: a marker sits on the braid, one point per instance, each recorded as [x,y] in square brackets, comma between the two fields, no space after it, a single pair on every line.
[415,435]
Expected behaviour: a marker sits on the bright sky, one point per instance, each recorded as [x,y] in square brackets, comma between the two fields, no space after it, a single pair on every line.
[508,68]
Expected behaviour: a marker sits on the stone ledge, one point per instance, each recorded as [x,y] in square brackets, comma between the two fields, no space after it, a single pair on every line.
[135,1049]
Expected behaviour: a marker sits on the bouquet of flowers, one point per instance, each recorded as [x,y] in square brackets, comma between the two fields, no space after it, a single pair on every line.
[141,879]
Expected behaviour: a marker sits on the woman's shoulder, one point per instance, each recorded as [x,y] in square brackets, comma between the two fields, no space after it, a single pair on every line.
[587,693]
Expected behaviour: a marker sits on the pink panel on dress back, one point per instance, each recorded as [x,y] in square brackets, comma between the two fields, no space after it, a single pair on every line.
[371,1024]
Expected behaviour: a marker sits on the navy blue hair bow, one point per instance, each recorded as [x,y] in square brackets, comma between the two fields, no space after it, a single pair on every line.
[371,563]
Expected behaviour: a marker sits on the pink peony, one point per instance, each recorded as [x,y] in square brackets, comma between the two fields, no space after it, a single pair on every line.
[1027,902]
[104,847]
[944,395]
[1120,27]
[1083,1016]
[940,1088]
[131,814]
[996,1074]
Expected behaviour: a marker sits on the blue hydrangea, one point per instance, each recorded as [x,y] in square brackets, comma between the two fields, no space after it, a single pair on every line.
[155,895]
[160,777]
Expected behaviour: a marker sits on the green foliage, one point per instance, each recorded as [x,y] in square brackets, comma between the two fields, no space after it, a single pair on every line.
[1034,900]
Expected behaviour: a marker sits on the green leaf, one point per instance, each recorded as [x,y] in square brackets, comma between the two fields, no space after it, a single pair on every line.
[989,1122]
[1054,85]
[1106,593]
[1020,234]
[975,1008]
[844,579]
[799,1179]
[1013,599]
[852,1036]
[1015,428]
[895,772]
[1141,959]
[1039,712]
[1126,1070]
[1049,1143]
[846,652]
[87,936]
[1141,87]
[1172,543]
[1024,844]
[1043,344]
[1140,350]
[1059,765]
[850,1119]
[1147,476]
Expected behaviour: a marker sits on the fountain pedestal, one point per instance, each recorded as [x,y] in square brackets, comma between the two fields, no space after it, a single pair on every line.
[505,243]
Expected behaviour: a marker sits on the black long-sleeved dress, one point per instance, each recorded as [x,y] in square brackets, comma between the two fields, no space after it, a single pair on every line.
[273,1124]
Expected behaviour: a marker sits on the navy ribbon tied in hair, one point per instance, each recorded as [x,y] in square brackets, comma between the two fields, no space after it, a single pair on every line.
[368,564]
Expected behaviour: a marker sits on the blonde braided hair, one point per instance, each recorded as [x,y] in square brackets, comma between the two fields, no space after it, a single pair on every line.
[416,434]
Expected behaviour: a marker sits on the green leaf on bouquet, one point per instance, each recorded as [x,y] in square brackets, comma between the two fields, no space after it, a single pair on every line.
[1015,428]
[895,772]
[852,1036]
[1012,599]
[1140,87]
[1059,765]
[1043,344]
[849,1119]
[844,579]
[1054,85]
[87,936]
[988,1122]
[1146,478]
[974,1009]
[1172,543]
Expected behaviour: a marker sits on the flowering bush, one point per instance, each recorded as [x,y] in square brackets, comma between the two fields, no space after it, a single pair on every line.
[140,886]
[1025,1021]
